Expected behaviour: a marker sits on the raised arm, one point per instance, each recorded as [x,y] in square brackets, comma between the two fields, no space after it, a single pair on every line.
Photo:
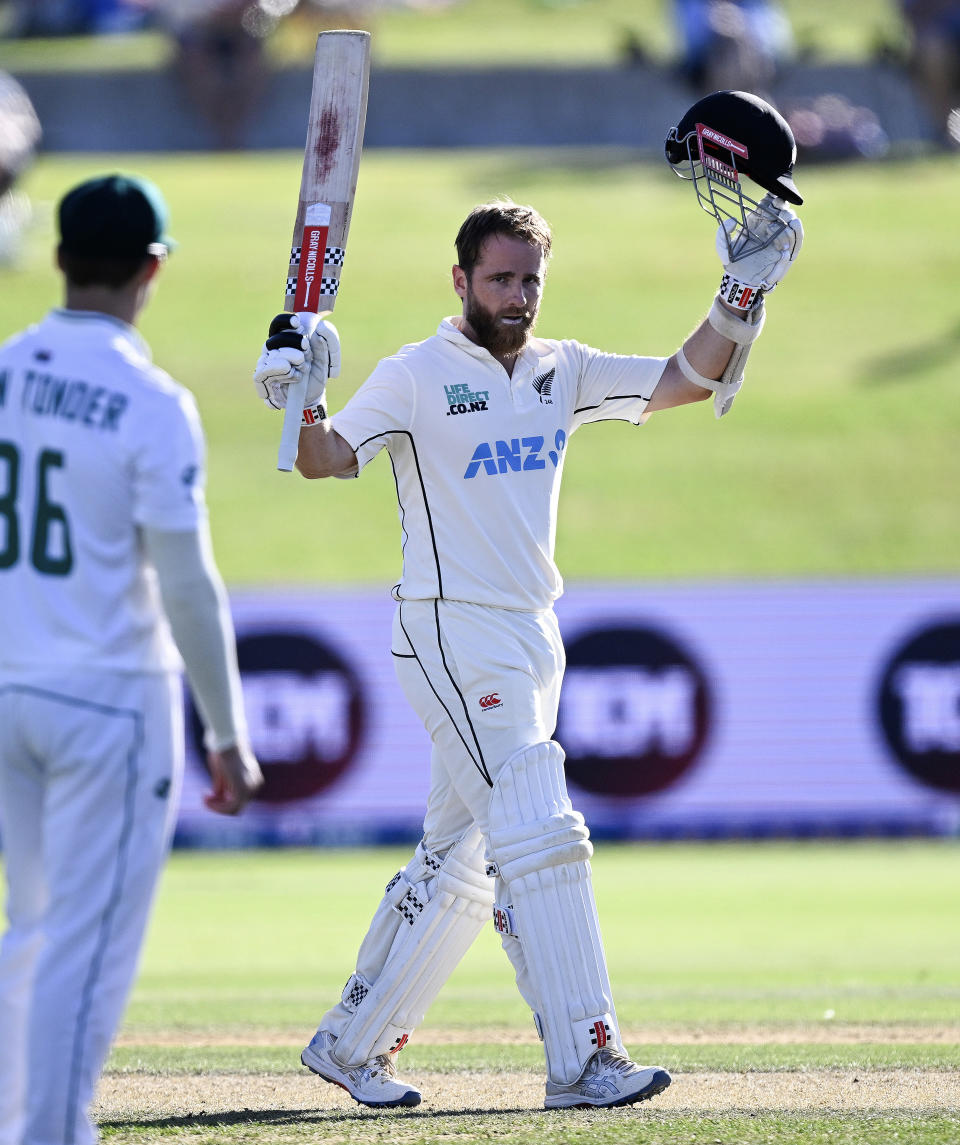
[713,357]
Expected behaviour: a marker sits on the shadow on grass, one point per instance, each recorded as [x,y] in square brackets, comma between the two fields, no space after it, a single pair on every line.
[316,1116]
[911,360]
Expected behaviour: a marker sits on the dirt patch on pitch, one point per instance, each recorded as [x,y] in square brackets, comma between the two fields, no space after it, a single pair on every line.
[122,1098]
[820,1033]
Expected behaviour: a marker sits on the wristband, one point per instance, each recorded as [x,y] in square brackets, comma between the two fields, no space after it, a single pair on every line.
[314,414]
[741,295]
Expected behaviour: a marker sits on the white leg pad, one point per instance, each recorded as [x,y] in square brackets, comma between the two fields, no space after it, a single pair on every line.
[542,850]
[431,914]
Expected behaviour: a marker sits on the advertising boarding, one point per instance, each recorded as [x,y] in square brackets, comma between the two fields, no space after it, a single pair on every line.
[739,710]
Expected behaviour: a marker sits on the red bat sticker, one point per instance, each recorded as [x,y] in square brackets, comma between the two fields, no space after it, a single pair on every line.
[313,248]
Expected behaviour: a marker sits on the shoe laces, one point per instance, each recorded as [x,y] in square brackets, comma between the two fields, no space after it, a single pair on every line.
[385,1064]
[381,1065]
[614,1061]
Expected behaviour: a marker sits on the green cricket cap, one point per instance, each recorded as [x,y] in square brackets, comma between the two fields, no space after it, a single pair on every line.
[114,216]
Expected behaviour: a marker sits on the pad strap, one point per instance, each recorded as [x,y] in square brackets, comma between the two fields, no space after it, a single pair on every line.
[736,329]
[744,333]
[695,376]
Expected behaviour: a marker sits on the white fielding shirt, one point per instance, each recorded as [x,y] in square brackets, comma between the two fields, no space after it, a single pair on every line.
[478,456]
[95,441]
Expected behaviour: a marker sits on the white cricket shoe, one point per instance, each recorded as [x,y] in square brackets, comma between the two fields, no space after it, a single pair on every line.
[374,1083]
[610,1078]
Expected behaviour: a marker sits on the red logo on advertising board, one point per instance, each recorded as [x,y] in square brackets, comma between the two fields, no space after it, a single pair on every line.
[918,703]
[634,711]
[307,711]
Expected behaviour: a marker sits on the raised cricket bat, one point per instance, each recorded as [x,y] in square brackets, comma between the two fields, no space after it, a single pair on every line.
[331,160]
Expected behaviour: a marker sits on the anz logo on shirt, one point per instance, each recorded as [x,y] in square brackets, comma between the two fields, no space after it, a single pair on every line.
[518,455]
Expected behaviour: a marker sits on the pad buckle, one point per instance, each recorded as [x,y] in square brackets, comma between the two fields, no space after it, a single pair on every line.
[504,920]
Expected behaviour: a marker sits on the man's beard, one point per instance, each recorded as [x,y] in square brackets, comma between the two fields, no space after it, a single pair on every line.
[501,340]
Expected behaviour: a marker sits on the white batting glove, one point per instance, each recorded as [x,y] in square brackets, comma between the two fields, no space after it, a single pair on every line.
[746,280]
[298,345]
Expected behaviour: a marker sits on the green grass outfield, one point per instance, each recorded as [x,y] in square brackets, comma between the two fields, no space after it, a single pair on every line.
[766,977]
[840,457]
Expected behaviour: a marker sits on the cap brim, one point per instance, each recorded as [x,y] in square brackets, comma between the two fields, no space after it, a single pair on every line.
[164,245]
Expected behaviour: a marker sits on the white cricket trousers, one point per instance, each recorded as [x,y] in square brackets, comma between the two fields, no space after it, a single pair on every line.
[486,683]
[90,772]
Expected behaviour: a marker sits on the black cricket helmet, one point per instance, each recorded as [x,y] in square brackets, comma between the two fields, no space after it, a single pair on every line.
[724,136]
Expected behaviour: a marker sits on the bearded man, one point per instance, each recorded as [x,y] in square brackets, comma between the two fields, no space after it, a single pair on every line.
[477,420]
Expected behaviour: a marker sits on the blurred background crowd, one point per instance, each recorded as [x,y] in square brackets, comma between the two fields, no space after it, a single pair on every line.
[218,54]
[573,97]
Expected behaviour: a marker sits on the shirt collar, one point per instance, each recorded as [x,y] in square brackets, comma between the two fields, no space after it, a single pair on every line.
[105,325]
[530,356]
[449,330]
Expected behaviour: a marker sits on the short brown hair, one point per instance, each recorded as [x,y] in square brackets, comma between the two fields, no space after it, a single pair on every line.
[97,270]
[501,217]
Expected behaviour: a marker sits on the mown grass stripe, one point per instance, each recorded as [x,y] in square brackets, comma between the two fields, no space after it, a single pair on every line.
[174,1060]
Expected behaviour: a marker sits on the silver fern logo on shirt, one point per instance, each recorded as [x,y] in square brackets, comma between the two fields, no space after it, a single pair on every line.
[543,384]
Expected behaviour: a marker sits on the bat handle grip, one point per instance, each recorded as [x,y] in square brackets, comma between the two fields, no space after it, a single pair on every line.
[292,416]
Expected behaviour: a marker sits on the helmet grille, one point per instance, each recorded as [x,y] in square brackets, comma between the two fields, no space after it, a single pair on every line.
[711,164]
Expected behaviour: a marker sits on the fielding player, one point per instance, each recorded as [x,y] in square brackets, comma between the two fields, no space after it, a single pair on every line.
[477,421]
[104,549]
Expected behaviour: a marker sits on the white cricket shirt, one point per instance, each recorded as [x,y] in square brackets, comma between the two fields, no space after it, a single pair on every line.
[478,456]
[94,441]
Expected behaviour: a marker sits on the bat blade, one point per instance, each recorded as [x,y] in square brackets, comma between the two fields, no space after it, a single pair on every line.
[328,183]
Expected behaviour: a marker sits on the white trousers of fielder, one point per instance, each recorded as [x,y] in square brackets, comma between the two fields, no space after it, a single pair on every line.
[90,770]
[499,831]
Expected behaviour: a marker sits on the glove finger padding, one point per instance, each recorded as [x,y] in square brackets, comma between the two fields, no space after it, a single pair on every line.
[319,340]
[766,266]
[327,333]
[286,339]
[323,351]
[746,279]
[297,343]
[275,371]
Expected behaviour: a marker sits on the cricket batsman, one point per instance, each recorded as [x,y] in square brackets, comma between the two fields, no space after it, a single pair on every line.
[477,420]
